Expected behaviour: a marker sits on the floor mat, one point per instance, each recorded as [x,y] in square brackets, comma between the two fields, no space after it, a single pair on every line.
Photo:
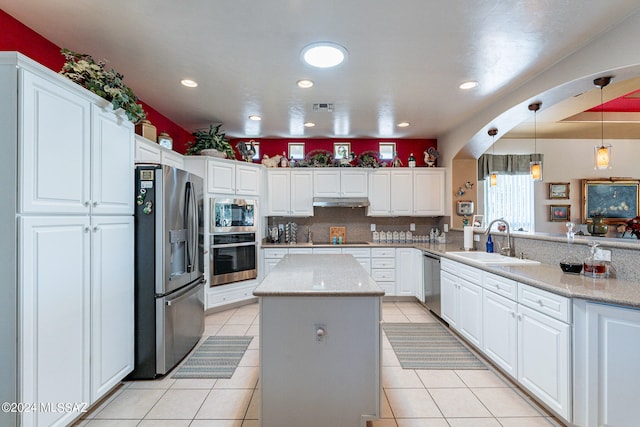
[216,357]
[429,346]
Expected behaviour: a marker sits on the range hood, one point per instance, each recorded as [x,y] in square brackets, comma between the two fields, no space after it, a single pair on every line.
[340,202]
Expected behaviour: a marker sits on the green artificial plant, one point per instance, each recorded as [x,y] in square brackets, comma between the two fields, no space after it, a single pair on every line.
[85,71]
[211,138]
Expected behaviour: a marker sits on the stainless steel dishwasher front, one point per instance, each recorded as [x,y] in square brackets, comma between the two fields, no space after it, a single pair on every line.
[431,282]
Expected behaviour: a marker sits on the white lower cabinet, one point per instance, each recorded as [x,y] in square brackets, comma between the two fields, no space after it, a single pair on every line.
[606,352]
[405,271]
[76,311]
[461,300]
[383,269]
[500,327]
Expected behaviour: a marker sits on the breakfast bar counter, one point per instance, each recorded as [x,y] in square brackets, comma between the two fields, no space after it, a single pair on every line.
[320,343]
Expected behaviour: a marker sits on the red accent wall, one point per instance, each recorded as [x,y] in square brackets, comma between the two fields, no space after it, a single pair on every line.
[15,36]
[405,147]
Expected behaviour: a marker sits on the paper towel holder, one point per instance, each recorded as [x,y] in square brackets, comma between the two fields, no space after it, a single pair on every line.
[464,207]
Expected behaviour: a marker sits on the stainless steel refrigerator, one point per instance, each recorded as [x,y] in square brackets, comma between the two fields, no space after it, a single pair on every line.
[169,261]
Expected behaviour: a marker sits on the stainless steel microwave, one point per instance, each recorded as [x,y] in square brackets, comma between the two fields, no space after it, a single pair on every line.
[233,215]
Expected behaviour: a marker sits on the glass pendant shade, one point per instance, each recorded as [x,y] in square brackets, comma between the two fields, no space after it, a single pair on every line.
[536,170]
[602,157]
[493,179]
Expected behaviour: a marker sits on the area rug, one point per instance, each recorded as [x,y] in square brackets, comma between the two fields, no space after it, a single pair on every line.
[216,357]
[429,346]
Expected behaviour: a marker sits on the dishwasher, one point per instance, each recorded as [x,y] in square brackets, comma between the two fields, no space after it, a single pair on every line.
[431,282]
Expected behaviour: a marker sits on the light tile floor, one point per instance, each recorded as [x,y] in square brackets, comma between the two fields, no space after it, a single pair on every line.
[411,398]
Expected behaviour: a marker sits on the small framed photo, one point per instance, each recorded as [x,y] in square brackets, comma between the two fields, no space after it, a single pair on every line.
[559,213]
[558,190]
[296,150]
[341,150]
[478,221]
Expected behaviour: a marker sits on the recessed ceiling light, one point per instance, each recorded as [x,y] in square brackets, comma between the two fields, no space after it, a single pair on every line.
[403,124]
[305,84]
[468,85]
[255,118]
[189,83]
[324,54]
[309,124]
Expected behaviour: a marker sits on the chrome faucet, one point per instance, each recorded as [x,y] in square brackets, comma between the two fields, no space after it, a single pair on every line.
[505,249]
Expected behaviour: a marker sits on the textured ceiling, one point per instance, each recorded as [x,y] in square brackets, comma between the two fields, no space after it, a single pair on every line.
[405,59]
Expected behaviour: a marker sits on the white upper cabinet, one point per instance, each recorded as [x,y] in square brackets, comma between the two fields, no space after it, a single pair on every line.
[232,177]
[55,152]
[148,151]
[340,182]
[428,191]
[401,192]
[75,157]
[379,193]
[112,156]
[289,192]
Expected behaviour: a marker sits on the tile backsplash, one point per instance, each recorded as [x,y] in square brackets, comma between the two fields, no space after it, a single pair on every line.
[357,223]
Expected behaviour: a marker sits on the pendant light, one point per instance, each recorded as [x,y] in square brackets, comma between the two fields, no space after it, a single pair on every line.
[493,179]
[535,166]
[602,153]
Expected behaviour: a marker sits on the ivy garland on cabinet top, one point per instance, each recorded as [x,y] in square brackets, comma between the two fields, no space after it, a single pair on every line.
[85,71]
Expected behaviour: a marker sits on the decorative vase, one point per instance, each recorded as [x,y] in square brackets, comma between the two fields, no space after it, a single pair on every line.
[213,152]
[598,227]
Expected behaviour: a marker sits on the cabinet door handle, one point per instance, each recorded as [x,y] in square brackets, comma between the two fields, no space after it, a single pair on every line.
[513,314]
[520,317]
[95,229]
[86,204]
[498,287]
[95,204]
[540,302]
[87,229]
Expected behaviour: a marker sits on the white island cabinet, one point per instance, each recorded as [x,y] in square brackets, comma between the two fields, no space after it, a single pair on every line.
[320,343]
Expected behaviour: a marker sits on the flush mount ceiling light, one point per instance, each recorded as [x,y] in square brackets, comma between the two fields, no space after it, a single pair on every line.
[188,83]
[403,124]
[309,124]
[324,54]
[468,85]
[304,83]
[493,180]
[602,153]
[535,166]
[255,118]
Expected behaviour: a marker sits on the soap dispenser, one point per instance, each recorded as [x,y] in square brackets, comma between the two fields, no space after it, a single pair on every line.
[489,244]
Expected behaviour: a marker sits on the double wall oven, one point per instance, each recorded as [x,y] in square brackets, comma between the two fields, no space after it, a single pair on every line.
[233,252]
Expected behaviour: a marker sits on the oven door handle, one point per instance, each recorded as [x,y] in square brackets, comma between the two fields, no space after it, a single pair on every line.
[234,245]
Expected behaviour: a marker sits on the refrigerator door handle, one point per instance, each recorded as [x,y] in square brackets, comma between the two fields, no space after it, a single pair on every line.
[189,216]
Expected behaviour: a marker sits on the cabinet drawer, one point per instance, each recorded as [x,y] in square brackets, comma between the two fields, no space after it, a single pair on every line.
[300,250]
[327,251]
[551,304]
[357,252]
[383,263]
[383,275]
[275,252]
[471,274]
[501,285]
[389,288]
[216,298]
[383,252]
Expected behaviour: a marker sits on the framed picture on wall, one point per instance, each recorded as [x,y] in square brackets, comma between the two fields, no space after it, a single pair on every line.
[478,221]
[614,199]
[341,150]
[558,190]
[559,213]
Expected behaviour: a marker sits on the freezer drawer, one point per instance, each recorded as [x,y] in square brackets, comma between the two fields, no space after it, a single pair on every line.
[180,325]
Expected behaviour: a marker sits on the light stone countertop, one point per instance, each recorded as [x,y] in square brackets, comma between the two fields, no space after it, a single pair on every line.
[548,277]
[318,275]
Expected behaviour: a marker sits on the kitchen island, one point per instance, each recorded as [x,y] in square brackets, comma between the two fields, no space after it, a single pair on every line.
[320,343]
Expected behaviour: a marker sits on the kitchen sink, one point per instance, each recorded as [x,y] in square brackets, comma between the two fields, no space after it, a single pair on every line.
[488,258]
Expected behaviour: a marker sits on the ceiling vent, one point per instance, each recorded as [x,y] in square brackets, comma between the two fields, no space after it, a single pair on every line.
[323,108]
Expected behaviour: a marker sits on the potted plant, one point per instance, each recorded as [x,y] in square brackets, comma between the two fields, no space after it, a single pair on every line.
[211,142]
[85,71]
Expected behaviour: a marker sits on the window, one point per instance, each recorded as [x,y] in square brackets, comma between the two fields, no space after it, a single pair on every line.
[387,150]
[296,151]
[511,199]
